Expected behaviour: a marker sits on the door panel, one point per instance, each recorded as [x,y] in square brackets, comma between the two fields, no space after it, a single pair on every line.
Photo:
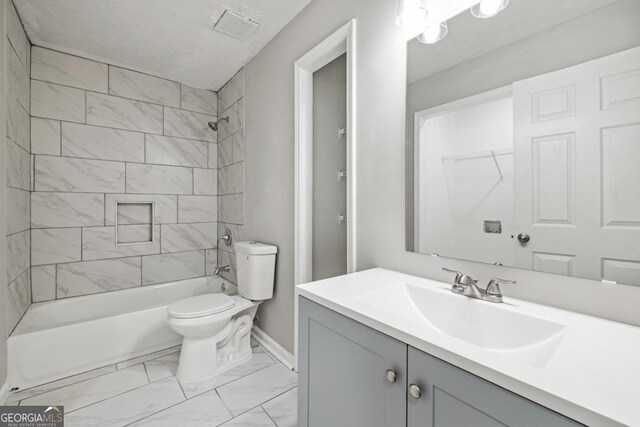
[342,366]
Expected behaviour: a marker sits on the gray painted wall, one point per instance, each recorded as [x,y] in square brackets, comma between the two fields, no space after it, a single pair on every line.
[329,156]
[3,213]
[380,77]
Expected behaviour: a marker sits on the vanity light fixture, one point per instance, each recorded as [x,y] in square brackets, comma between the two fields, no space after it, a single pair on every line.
[434,33]
[411,14]
[488,8]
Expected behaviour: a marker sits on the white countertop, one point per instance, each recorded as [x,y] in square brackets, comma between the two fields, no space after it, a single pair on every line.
[592,375]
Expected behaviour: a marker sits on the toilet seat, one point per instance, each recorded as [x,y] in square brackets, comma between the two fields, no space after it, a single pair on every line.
[200,306]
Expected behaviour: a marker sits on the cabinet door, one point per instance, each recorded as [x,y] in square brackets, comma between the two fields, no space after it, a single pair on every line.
[452,397]
[343,365]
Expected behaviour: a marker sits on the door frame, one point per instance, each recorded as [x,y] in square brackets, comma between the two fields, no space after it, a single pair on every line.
[340,42]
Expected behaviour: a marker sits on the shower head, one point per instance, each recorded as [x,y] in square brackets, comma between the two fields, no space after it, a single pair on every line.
[214,125]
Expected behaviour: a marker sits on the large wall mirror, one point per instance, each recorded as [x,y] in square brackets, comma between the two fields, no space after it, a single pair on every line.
[523,139]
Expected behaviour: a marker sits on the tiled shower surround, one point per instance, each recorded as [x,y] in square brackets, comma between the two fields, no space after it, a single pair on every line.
[102,134]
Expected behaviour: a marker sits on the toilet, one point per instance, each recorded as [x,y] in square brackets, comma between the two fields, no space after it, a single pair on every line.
[217,327]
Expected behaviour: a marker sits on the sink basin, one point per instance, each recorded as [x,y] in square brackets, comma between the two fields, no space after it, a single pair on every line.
[488,325]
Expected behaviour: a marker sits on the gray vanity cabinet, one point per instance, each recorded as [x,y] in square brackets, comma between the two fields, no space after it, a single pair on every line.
[347,380]
[343,372]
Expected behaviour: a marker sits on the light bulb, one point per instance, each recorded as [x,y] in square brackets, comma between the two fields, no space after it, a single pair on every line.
[434,33]
[490,7]
[411,13]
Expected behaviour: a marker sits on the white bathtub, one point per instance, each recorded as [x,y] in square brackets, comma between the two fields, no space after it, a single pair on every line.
[56,339]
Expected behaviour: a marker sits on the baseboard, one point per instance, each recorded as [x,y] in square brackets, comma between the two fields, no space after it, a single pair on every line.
[4,393]
[269,344]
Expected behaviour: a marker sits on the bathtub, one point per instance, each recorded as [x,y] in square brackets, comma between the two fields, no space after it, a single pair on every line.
[56,339]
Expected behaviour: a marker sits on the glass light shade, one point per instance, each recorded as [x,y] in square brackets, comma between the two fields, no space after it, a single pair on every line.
[411,13]
[488,8]
[434,33]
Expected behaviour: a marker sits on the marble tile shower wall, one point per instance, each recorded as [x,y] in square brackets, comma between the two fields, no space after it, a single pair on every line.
[18,168]
[231,169]
[101,134]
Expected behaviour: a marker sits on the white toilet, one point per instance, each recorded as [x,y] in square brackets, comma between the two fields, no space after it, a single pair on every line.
[216,327]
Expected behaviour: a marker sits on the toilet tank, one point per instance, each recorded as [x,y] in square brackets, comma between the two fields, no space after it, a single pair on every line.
[256,263]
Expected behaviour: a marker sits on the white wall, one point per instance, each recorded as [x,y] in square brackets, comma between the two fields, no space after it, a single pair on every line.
[3,215]
[269,130]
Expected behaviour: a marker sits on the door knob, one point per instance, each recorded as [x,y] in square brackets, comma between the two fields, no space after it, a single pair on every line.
[415,391]
[523,238]
[391,376]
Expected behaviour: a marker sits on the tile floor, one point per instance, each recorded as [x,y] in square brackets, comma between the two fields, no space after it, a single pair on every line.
[145,392]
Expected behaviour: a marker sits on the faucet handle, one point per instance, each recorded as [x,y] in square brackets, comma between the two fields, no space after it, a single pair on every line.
[458,274]
[493,287]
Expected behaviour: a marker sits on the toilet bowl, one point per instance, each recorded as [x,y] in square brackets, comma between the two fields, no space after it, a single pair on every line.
[216,327]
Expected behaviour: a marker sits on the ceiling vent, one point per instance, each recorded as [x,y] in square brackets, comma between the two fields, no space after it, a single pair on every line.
[236,26]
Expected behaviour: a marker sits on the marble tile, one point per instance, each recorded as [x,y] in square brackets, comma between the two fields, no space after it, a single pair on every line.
[165,207]
[52,101]
[257,388]
[225,152]
[197,209]
[187,237]
[187,124]
[176,151]
[17,78]
[211,261]
[162,367]
[18,299]
[121,113]
[175,266]
[57,67]
[66,209]
[237,142]
[231,92]
[231,208]
[20,244]
[93,142]
[78,175]
[198,100]
[100,243]
[153,179]
[55,245]
[260,360]
[17,121]
[34,391]
[205,182]
[90,277]
[43,283]
[143,87]
[203,411]
[45,136]
[128,407]
[284,409]
[18,210]
[213,155]
[83,393]
[235,178]
[256,417]
[135,213]
[18,166]
[144,358]
[16,34]
[233,124]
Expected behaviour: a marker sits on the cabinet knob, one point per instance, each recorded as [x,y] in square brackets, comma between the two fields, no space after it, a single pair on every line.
[415,391]
[391,376]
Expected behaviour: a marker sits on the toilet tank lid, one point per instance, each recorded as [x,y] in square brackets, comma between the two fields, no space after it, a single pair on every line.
[255,248]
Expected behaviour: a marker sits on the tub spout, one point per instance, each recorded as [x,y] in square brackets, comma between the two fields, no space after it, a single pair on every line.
[218,270]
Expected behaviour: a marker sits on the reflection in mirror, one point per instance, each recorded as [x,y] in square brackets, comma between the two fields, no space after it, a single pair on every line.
[523,139]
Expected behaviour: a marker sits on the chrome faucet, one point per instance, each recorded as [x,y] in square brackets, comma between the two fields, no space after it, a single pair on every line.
[467,286]
[218,270]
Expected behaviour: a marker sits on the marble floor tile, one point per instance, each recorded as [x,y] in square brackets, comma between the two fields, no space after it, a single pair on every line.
[34,391]
[283,409]
[257,388]
[93,390]
[129,407]
[162,367]
[146,357]
[205,410]
[260,360]
[255,418]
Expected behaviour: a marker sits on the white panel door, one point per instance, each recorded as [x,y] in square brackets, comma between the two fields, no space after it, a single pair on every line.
[577,170]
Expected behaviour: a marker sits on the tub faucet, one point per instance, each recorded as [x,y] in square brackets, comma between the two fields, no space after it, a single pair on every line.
[218,270]
[467,286]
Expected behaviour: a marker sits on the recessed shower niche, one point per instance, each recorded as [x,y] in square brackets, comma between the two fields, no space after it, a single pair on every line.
[134,223]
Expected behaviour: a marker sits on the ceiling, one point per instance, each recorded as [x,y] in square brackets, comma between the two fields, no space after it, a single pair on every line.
[471,37]
[167,38]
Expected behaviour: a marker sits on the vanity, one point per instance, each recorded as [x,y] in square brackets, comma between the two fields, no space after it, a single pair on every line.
[381,348]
